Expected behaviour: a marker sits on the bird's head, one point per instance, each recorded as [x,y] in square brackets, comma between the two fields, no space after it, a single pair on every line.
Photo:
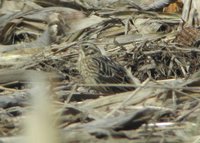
[88,49]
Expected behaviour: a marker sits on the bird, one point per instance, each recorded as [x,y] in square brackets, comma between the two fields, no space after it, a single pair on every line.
[96,68]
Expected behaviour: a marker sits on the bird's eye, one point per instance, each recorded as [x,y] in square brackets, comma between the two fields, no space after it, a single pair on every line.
[88,50]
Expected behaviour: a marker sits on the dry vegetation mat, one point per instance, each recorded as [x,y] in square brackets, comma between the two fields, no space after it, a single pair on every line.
[100,71]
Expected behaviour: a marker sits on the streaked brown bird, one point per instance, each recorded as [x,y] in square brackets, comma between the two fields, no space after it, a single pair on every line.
[96,68]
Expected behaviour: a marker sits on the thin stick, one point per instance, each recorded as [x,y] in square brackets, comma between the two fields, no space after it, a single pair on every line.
[128,98]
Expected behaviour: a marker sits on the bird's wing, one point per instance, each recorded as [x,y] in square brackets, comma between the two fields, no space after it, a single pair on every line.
[110,72]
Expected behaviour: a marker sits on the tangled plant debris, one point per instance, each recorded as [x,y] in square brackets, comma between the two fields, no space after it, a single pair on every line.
[143,54]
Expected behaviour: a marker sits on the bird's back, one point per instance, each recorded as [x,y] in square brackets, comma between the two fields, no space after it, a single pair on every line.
[100,69]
